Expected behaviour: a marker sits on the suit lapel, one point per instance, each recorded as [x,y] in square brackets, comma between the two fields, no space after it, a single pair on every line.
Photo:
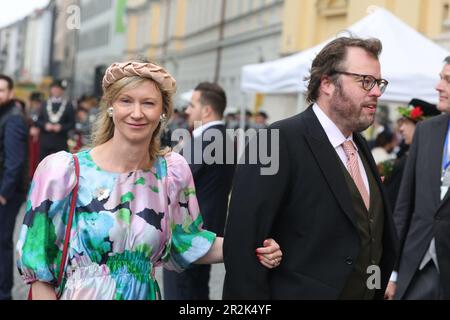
[437,142]
[327,160]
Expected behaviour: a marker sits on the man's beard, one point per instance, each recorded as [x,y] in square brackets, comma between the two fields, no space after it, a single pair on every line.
[5,103]
[347,112]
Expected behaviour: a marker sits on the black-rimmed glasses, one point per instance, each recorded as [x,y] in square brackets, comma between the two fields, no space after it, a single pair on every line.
[367,81]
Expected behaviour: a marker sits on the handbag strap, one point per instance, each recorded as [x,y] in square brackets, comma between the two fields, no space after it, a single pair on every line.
[70,219]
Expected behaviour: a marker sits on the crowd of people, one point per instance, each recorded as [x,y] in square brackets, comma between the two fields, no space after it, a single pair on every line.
[338,209]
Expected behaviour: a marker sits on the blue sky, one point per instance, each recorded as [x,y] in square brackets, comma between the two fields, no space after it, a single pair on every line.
[16,9]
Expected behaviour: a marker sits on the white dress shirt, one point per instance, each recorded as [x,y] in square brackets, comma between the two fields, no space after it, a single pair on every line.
[199,130]
[337,138]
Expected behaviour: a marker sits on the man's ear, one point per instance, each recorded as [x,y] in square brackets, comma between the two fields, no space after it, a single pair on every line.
[327,85]
[207,110]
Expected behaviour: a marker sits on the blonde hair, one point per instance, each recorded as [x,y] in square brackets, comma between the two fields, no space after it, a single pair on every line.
[103,130]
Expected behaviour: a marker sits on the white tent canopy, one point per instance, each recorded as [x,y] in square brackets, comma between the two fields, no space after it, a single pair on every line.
[409,61]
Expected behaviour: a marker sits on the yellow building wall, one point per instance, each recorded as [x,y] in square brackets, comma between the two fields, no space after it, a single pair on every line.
[309,22]
[131,35]
[155,23]
[180,23]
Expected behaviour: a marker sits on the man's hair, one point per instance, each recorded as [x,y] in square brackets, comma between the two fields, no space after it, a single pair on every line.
[8,80]
[212,94]
[331,58]
[447,60]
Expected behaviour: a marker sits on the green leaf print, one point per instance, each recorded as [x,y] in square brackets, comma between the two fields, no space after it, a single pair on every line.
[145,249]
[140,181]
[188,192]
[136,263]
[36,256]
[127,197]
[124,215]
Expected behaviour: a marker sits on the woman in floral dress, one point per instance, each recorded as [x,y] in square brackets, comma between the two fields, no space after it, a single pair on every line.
[136,207]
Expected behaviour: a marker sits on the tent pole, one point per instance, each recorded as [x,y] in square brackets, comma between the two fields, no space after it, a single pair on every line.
[301,102]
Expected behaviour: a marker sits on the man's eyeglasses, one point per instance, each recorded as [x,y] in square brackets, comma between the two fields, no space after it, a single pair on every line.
[367,81]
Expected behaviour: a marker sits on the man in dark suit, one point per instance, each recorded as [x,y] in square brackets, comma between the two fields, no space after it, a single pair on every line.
[417,110]
[422,212]
[13,155]
[325,206]
[213,176]
[56,119]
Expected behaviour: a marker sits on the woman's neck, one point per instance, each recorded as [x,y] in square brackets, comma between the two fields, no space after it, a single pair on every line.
[121,157]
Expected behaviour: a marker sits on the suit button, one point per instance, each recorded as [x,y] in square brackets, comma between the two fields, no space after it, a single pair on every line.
[438,218]
[349,261]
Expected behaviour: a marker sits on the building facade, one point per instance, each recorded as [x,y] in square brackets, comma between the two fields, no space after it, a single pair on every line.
[38,45]
[12,44]
[210,40]
[65,40]
[309,22]
[101,41]
[205,40]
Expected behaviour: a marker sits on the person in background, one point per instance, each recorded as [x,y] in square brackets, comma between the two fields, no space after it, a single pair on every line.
[260,120]
[422,269]
[212,181]
[13,174]
[416,111]
[36,99]
[384,146]
[56,119]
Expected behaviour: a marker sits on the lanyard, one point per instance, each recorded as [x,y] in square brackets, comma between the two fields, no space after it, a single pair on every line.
[446,160]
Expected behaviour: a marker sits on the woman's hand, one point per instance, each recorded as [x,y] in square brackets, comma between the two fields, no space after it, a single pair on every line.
[43,291]
[270,255]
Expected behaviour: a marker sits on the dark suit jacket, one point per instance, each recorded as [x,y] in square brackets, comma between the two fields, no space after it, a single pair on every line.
[306,207]
[13,148]
[53,139]
[420,215]
[212,181]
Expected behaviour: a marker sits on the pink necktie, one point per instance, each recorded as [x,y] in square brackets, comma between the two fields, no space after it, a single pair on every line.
[353,168]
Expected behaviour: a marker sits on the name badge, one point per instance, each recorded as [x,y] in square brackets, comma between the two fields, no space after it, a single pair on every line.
[445,183]
[446,178]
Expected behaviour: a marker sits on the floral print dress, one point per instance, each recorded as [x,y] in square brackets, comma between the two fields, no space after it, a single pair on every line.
[124,226]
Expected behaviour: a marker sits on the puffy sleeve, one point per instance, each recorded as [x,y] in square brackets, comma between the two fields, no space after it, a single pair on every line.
[41,237]
[189,241]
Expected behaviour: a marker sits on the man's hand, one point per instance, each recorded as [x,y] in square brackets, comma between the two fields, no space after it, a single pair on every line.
[34,133]
[2,200]
[49,127]
[57,127]
[390,291]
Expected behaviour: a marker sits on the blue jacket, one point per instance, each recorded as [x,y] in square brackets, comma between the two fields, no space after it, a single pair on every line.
[13,150]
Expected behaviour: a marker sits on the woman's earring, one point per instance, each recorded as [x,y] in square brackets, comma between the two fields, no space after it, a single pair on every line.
[110,112]
[163,117]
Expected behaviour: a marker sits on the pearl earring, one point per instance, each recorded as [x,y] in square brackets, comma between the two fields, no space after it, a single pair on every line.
[110,112]
[163,118]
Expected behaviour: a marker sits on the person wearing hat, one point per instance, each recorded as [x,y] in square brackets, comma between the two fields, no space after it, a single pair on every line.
[421,212]
[56,119]
[416,111]
[136,205]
